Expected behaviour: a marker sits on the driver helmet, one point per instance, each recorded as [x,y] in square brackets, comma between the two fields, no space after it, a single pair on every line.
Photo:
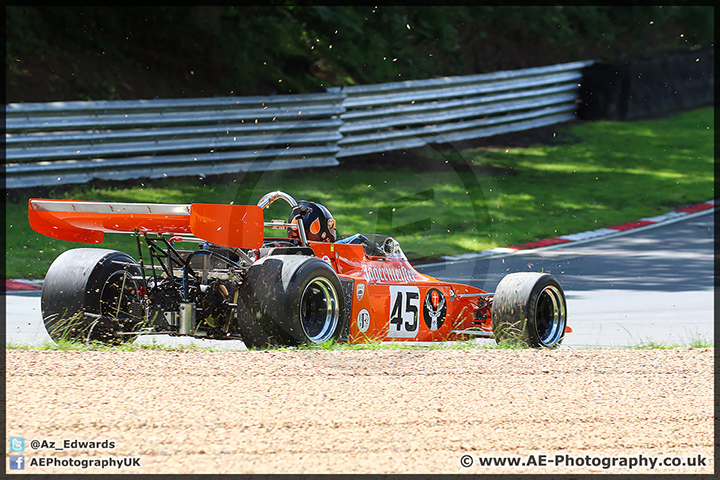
[317,220]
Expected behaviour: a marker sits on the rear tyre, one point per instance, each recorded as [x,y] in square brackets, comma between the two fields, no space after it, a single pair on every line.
[97,282]
[290,300]
[529,308]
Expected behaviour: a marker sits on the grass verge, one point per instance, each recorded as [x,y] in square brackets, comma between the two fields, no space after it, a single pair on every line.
[441,200]
[329,346]
[70,345]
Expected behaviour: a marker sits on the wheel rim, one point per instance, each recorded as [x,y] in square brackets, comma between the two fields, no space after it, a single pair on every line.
[319,310]
[550,316]
[118,295]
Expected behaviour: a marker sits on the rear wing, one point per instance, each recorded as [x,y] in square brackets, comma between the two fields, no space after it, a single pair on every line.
[239,226]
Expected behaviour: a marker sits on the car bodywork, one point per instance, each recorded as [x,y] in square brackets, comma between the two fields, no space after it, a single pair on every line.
[383,296]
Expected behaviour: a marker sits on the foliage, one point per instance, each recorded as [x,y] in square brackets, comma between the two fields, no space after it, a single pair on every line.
[134,52]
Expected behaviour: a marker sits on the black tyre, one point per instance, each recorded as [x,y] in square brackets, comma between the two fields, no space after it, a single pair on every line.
[529,308]
[290,300]
[97,282]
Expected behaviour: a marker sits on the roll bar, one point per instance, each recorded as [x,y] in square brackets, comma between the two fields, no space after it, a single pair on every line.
[269,198]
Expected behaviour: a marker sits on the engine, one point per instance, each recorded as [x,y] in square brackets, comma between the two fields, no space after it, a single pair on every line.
[198,295]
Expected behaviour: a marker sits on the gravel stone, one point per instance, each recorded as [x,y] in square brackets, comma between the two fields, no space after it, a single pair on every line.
[363,411]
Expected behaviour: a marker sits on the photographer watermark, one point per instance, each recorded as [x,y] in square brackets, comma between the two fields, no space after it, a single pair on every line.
[605,462]
[18,460]
[118,463]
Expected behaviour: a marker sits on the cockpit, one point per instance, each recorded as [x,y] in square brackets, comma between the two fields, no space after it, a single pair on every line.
[311,221]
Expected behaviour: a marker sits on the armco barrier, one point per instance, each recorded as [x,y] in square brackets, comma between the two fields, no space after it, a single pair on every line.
[409,114]
[74,142]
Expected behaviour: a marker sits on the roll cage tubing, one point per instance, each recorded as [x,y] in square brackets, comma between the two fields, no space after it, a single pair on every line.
[268,200]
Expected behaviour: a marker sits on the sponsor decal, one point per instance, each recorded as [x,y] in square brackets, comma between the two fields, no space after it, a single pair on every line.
[360,291]
[388,274]
[434,309]
[363,320]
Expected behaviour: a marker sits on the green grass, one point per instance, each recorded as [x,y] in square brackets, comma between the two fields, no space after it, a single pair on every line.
[68,345]
[378,345]
[441,201]
[71,345]
[696,342]
[652,345]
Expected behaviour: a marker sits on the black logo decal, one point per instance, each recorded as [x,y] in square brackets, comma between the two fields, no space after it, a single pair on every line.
[434,309]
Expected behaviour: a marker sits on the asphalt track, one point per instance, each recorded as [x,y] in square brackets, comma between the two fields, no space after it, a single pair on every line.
[653,283]
[650,284]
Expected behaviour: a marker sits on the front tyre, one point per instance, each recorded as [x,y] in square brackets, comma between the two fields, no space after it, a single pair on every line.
[290,300]
[529,308]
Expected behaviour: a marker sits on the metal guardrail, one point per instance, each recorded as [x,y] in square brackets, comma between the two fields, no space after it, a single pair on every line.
[414,113]
[74,142]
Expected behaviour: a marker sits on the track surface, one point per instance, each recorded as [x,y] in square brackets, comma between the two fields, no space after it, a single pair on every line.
[365,411]
[652,284]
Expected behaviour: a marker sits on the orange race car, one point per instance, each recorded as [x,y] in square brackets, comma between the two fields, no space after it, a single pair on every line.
[307,287]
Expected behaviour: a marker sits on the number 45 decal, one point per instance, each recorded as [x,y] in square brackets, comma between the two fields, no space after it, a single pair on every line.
[404,312]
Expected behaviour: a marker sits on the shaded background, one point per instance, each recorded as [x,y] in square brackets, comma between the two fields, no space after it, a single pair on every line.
[123,53]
